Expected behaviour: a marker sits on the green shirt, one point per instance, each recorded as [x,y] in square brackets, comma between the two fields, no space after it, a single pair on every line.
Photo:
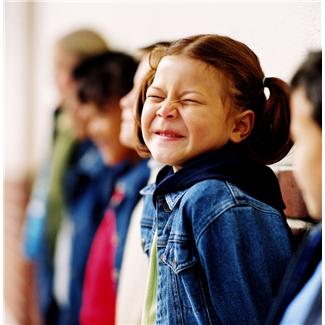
[150,302]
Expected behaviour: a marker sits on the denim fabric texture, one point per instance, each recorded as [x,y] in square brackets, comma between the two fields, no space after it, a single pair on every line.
[129,185]
[221,252]
[298,273]
[88,185]
[102,270]
[36,214]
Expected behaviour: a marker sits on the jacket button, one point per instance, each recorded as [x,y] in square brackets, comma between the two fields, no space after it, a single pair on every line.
[166,207]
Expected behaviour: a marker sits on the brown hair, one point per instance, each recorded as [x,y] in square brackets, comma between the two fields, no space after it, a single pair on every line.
[309,77]
[83,43]
[269,140]
[104,77]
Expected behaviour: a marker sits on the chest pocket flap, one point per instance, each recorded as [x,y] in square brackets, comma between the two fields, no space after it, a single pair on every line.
[179,255]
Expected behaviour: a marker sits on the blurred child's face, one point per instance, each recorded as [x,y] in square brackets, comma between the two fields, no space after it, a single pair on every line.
[128,103]
[308,152]
[104,130]
[183,114]
[64,63]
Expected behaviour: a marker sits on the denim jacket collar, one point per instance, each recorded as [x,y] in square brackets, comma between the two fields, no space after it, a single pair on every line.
[229,163]
[171,198]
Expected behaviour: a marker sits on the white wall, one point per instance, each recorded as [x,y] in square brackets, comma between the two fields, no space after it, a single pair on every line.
[279,32]
[18,89]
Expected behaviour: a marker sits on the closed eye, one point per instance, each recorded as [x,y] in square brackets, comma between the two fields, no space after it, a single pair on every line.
[154,94]
[154,98]
[190,101]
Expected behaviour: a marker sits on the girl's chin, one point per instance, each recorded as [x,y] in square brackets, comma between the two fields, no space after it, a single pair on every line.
[163,160]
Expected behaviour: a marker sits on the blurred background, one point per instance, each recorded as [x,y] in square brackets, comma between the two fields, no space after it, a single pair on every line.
[280,33]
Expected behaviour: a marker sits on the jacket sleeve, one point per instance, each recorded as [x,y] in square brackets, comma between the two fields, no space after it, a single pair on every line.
[243,253]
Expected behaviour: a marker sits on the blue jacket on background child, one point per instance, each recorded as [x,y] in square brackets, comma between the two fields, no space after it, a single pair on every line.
[88,185]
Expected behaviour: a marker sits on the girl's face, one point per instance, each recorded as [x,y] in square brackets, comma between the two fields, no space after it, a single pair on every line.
[104,130]
[308,152]
[183,115]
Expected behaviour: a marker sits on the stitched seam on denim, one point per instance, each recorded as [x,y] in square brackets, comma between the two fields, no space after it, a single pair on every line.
[211,219]
[173,198]
[148,189]
[162,243]
[177,295]
[225,200]
[244,199]
[233,191]
[146,222]
[179,239]
[180,267]
[246,204]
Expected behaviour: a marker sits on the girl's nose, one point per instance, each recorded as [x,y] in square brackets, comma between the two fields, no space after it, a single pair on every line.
[168,109]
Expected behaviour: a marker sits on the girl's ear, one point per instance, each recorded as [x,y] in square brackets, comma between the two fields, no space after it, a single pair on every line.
[243,124]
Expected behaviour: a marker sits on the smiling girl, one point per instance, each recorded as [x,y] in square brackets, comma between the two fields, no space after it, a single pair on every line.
[213,222]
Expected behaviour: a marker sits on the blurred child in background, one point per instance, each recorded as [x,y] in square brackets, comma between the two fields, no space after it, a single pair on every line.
[133,274]
[300,295]
[67,180]
[102,81]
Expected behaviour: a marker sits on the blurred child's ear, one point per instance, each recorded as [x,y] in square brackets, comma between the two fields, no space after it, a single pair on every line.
[243,125]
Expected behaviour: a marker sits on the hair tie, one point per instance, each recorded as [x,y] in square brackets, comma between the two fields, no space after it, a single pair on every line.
[263,82]
[266,89]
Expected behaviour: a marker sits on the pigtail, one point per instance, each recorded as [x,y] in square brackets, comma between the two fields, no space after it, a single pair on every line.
[270,139]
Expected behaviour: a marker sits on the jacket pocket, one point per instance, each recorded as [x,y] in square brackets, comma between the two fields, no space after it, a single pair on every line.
[179,256]
[185,280]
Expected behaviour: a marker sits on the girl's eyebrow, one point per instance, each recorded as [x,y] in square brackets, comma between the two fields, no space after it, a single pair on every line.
[186,92]
[195,92]
[154,87]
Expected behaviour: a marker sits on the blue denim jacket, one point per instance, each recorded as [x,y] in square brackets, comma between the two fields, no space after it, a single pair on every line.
[129,185]
[88,186]
[299,271]
[221,252]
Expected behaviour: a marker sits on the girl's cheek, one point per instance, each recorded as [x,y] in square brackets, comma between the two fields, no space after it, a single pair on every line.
[146,115]
[144,125]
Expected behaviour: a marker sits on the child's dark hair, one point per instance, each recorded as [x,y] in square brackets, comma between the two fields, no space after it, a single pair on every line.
[309,77]
[244,86]
[104,77]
